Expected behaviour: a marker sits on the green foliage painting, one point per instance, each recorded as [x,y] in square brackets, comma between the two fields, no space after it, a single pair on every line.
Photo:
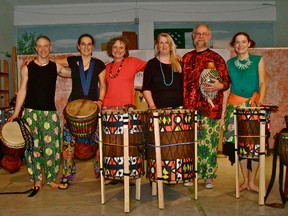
[25,44]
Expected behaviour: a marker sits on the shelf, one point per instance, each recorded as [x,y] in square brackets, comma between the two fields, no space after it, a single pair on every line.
[3,74]
[4,91]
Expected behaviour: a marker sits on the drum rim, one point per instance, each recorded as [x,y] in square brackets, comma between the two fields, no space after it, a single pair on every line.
[11,143]
[168,111]
[7,144]
[116,111]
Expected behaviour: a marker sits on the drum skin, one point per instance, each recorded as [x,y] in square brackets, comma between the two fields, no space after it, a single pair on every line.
[81,116]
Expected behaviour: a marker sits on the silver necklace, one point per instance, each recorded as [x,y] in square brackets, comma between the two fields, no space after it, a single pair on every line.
[243,64]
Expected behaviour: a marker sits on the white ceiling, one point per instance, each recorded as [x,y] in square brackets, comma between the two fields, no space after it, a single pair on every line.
[55,2]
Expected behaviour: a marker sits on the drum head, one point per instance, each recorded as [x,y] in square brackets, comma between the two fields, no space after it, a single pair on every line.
[81,108]
[11,135]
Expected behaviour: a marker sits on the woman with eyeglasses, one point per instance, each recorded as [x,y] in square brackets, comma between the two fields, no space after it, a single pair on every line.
[88,82]
[194,63]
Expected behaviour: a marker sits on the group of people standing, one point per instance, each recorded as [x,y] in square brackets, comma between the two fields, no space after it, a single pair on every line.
[169,81]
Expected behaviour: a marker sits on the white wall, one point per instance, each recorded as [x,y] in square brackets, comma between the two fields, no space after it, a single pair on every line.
[147,13]
[281,27]
[7,30]
[7,37]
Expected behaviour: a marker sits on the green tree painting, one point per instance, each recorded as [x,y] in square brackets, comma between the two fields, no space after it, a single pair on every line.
[26,43]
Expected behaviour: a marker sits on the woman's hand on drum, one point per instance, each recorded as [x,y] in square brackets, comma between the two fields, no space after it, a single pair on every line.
[11,119]
[99,103]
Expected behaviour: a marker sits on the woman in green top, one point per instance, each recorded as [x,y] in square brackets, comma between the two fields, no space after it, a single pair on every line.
[248,86]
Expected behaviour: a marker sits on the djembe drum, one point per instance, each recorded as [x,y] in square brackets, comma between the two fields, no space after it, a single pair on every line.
[12,143]
[248,122]
[113,143]
[81,116]
[121,144]
[177,137]
[250,141]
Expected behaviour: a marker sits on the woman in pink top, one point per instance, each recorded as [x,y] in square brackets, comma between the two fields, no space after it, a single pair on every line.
[121,73]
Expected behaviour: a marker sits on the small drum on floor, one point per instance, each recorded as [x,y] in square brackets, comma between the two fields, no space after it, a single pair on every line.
[248,120]
[81,116]
[12,143]
[177,139]
[112,122]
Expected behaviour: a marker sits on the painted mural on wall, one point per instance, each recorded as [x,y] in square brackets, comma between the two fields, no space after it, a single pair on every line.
[222,32]
[64,37]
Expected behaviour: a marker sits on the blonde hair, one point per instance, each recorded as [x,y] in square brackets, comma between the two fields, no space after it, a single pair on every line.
[176,66]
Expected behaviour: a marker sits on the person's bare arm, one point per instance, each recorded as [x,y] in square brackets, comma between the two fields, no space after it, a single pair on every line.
[63,71]
[148,97]
[102,87]
[262,80]
[21,95]
[60,60]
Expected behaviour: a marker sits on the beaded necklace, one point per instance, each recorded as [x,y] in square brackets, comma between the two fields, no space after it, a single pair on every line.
[163,75]
[243,64]
[118,71]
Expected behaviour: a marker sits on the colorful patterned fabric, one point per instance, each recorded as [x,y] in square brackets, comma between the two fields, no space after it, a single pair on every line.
[177,145]
[208,138]
[113,134]
[68,152]
[46,131]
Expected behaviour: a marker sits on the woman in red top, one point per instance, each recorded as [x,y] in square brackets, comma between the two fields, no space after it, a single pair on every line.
[121,73]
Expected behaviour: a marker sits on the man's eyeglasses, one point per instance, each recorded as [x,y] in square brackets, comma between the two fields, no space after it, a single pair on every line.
[204,34]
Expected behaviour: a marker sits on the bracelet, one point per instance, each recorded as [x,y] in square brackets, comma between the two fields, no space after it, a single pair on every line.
[100,100]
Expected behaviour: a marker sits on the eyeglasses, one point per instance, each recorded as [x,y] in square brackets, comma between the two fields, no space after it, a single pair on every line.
[204,34]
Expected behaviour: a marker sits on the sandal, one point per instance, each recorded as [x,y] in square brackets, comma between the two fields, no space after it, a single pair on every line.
[63,186]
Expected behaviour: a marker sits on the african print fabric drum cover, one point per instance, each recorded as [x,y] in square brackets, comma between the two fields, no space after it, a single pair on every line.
[248,124]
[113,144]
[177,130]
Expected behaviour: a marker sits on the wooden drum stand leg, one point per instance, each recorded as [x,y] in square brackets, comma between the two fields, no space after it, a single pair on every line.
[262,157]
[158,161]
[126,163]
[101,159]
[236,154]
[196,156]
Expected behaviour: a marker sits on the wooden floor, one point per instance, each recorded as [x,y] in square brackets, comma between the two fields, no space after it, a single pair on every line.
[83,196]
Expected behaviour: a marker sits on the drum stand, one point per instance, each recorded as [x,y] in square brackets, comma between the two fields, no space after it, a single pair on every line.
[262,123]
[283,193]
[159,183]
[126,165]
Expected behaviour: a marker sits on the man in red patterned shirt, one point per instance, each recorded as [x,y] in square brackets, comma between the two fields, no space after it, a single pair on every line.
[194,62]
